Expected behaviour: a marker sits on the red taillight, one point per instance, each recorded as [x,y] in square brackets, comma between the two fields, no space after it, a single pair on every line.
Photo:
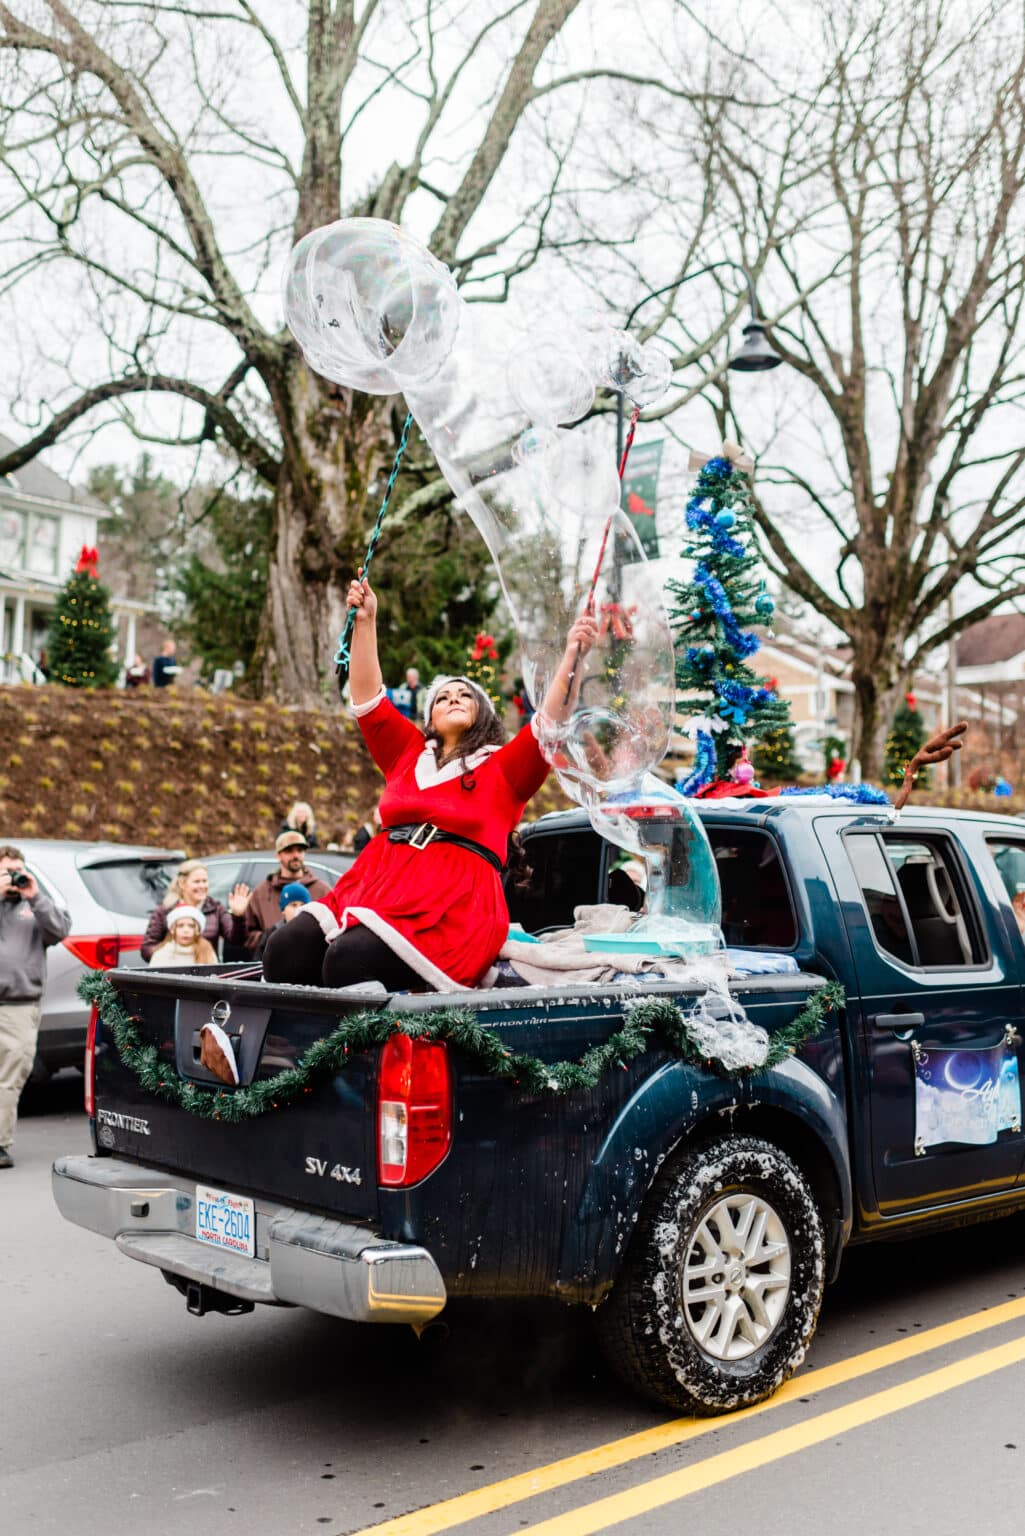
[89,1065]
[101,951]
[414,1109]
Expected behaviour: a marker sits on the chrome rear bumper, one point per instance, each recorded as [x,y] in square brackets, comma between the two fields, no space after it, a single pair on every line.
[302,1259]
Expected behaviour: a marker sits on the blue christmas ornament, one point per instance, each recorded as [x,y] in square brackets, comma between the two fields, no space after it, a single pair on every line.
[764,604]
[726,519]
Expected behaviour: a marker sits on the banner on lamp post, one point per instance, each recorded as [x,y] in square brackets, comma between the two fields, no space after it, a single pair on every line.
[639,493]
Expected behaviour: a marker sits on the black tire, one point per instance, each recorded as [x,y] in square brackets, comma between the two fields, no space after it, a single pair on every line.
[710,1356]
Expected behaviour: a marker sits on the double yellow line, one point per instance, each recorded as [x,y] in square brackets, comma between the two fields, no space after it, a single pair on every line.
[604,1513]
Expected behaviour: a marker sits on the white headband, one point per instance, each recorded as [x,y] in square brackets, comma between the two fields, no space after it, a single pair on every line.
[443,682]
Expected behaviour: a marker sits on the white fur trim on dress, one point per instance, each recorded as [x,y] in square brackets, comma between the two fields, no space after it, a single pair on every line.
[428,774]
[322,914]
[364,709]
[403,948]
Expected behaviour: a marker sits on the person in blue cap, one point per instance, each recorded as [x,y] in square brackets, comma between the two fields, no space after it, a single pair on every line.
[294,897]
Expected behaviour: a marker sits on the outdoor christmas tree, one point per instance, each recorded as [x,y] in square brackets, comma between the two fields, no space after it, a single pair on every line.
[712,617]
[482,669]
[82,631]
[907,734]
[775,755]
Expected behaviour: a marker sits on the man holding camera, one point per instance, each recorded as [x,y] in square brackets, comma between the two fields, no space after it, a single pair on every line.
[29,922]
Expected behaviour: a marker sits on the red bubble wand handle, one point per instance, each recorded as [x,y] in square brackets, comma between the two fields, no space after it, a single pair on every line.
[589,605]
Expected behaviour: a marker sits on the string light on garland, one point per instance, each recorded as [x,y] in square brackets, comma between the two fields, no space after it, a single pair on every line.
[647,1021]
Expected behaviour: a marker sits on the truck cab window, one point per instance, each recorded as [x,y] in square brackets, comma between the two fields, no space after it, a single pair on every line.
[562,873]
[879,892]
[757,911]
[1009,858]
[915,900]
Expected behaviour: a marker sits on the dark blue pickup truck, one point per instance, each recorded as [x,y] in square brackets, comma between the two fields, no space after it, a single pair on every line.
[699,1213]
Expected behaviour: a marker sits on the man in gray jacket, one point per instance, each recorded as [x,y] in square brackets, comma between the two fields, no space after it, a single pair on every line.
[29,922]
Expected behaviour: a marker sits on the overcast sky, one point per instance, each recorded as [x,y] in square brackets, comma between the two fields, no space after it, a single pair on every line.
[53,322]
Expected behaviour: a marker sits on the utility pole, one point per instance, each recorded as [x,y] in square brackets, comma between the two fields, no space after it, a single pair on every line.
[954,761]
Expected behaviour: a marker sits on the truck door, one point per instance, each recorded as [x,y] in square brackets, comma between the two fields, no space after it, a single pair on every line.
[936,1093]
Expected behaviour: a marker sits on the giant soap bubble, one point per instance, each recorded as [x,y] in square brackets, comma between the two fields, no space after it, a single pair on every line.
[372,309]
[683,910]
[369,306]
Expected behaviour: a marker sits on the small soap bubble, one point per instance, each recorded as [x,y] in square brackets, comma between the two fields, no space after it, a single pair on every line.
[550,382]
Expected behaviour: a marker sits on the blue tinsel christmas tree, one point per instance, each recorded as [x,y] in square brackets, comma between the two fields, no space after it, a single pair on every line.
[712,617]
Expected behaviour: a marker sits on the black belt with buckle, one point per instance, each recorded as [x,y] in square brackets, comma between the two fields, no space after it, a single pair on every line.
[426,832]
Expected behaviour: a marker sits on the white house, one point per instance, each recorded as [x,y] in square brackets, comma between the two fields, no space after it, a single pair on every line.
[44,522]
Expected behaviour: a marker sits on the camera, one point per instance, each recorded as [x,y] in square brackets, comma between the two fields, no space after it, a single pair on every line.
[19,879]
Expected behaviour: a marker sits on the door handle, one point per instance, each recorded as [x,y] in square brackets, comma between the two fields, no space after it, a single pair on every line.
[899,1020]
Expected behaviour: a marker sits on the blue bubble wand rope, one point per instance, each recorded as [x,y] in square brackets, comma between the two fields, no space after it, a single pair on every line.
[342,653]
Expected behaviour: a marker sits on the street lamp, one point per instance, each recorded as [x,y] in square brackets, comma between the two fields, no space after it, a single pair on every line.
[756,354]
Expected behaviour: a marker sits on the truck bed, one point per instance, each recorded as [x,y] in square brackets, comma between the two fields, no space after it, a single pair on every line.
[515,1206]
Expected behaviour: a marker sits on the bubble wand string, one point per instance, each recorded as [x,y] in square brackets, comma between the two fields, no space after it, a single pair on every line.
[342,653]
[589,605]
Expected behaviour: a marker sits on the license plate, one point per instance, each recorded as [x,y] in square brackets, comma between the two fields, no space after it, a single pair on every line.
[225,1220]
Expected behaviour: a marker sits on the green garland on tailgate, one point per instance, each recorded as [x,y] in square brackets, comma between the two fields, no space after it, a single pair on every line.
[357,1032]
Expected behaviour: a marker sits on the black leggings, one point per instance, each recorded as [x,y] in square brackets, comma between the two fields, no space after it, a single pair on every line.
[299,953]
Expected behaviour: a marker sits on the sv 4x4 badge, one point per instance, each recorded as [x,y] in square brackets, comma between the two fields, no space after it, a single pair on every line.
[318,1166]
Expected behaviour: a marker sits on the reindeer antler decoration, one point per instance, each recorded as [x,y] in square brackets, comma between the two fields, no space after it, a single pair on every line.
[936,750]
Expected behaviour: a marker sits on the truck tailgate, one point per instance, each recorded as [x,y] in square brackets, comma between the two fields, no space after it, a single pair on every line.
[318,1152]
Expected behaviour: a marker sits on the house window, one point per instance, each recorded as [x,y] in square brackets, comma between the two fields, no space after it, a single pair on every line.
[29,543]
[12,538]
[44,539]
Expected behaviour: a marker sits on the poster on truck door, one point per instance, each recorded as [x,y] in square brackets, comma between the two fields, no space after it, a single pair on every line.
[965,1096]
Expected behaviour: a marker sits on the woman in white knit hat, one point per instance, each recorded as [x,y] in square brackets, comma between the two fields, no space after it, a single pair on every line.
[423,905]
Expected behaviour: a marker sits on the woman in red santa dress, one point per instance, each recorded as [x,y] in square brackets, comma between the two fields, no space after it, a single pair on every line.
[423,904]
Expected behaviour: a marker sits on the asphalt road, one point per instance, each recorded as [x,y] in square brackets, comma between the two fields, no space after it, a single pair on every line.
[119,1413]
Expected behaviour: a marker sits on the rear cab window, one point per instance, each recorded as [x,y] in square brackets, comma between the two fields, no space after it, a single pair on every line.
[917,899]
[757,905]
[564,871]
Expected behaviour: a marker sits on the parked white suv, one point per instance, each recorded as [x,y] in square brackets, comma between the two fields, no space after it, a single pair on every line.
[110,891]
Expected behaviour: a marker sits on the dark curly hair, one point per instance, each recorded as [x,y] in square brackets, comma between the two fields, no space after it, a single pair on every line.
[486,731]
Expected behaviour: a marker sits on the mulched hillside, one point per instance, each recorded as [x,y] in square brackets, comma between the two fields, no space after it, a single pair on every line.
[180,770]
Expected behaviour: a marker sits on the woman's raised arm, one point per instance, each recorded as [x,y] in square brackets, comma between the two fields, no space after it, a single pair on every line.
[365,679]
[565,685]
